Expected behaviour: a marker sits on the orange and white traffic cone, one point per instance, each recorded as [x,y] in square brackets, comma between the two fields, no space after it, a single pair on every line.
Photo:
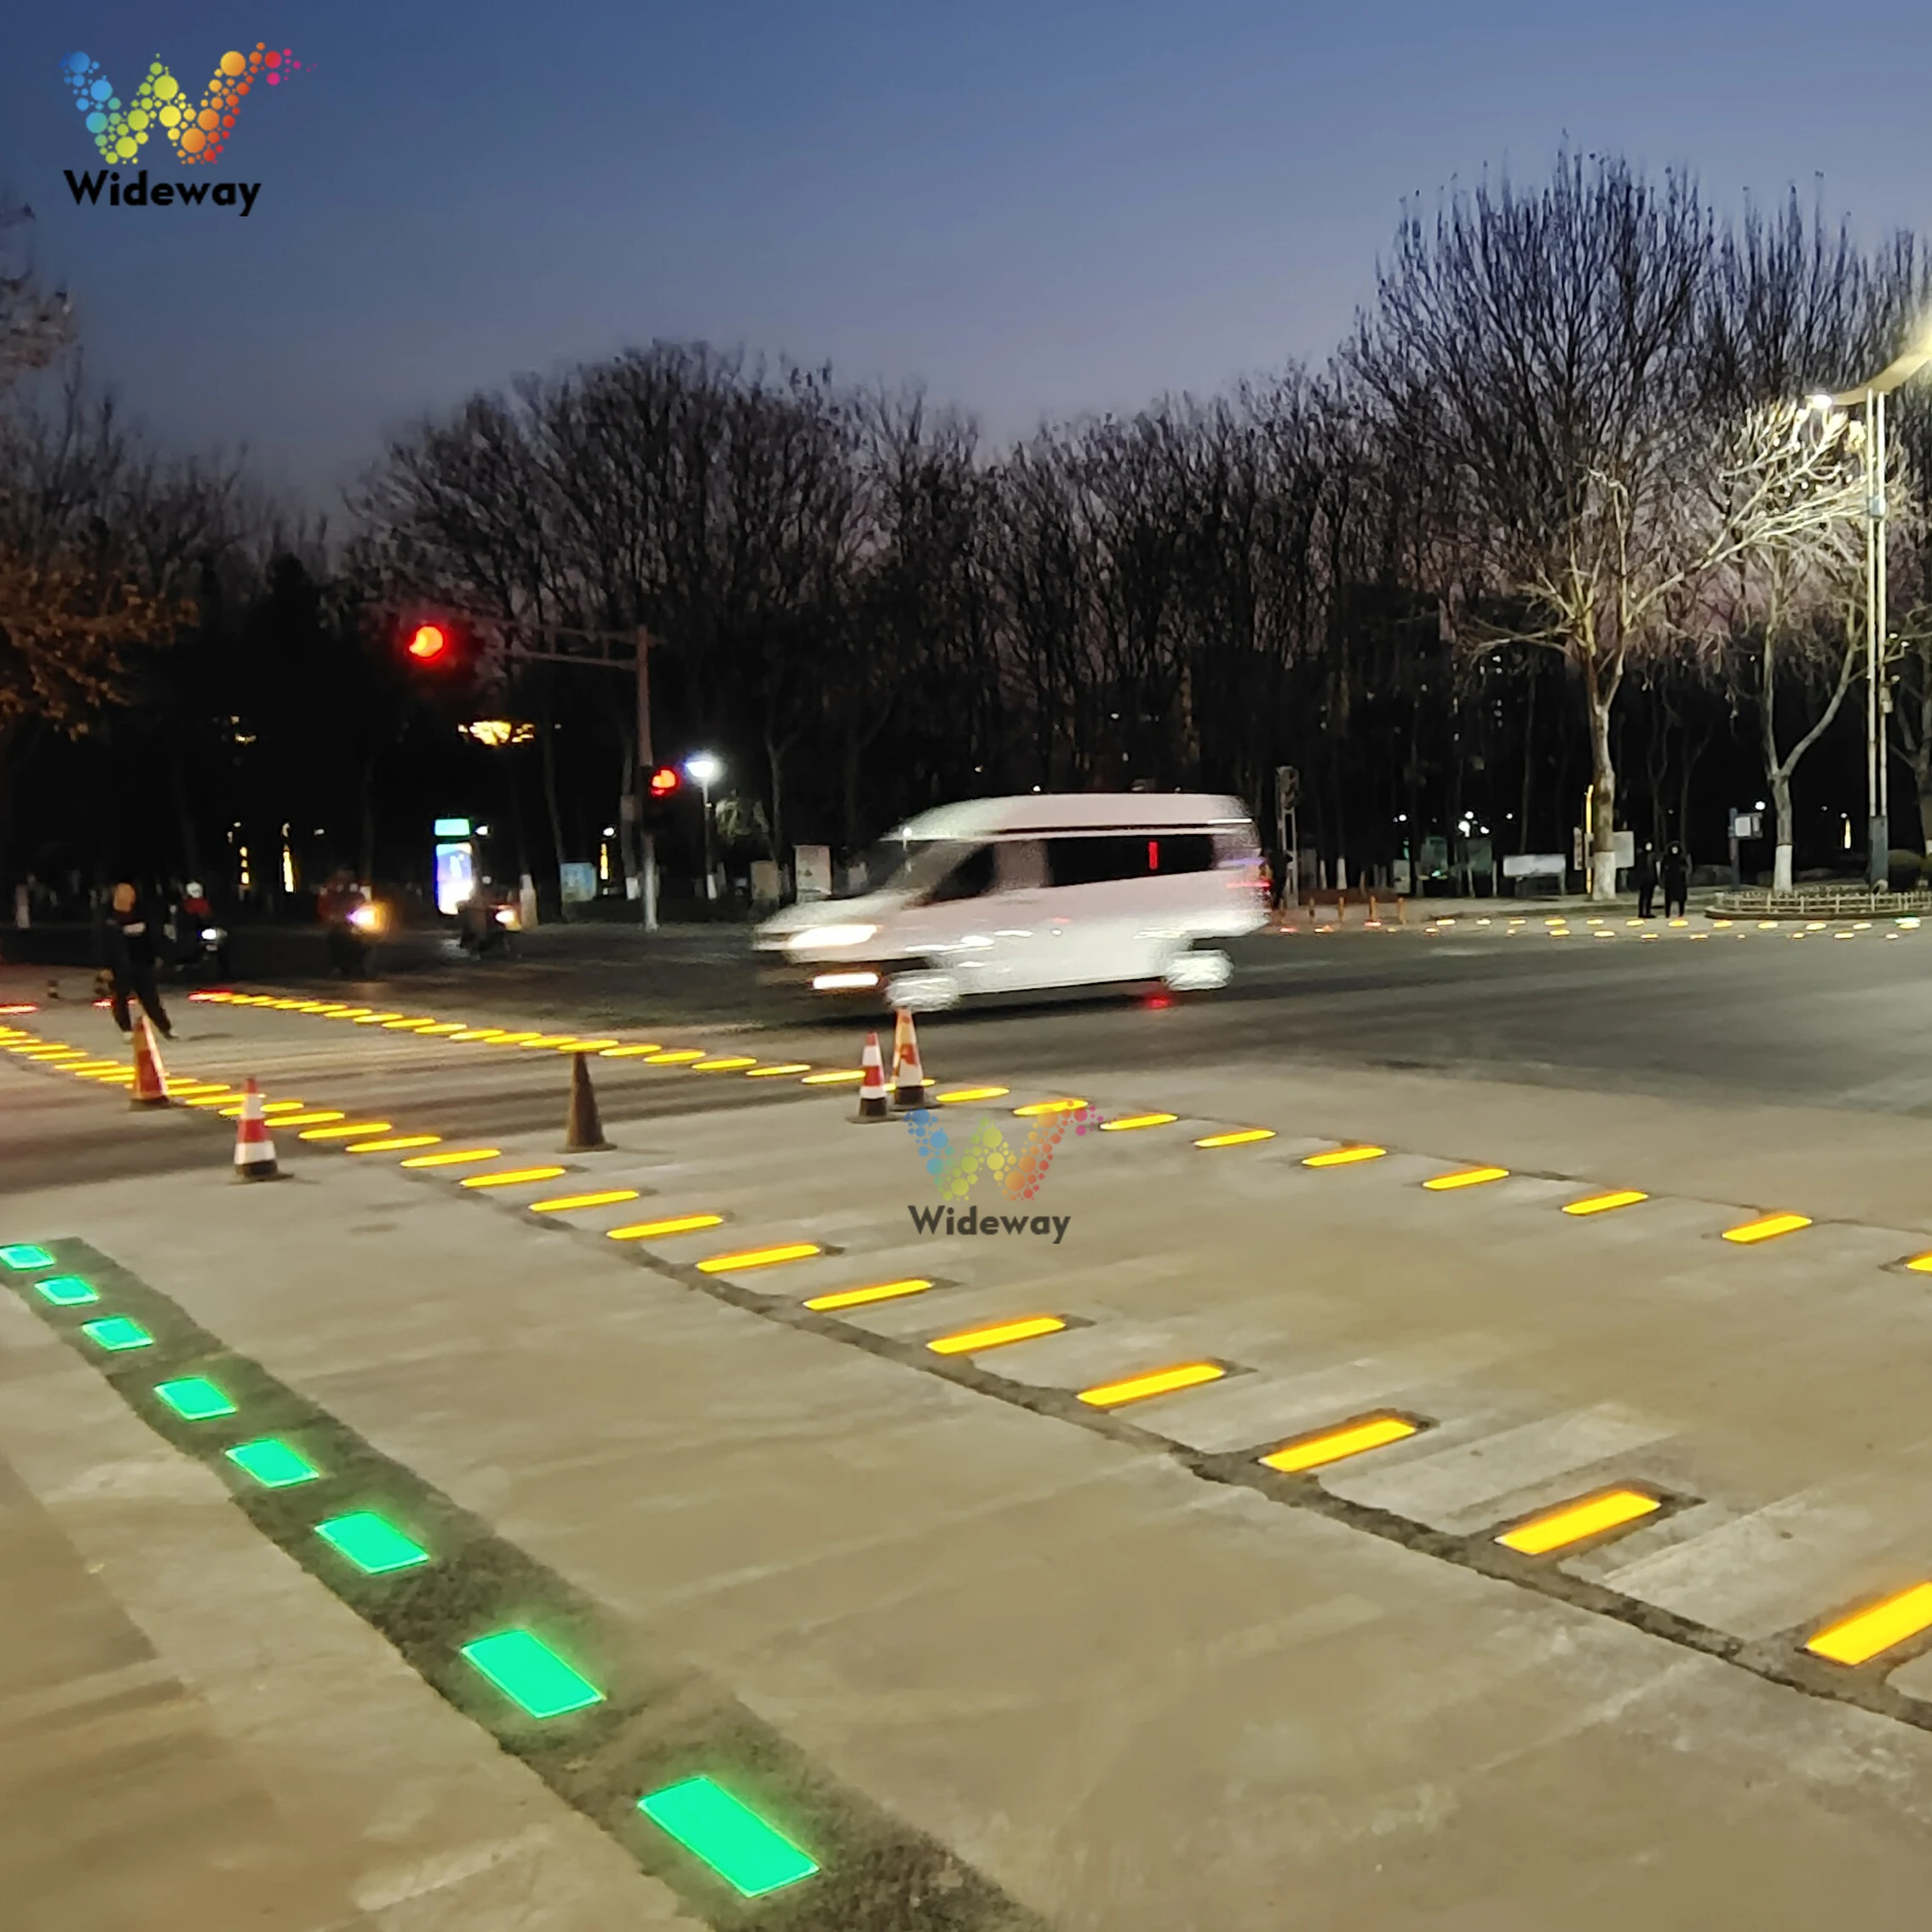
[874,1103]
[150,1087]
[908,1078]
[255,1151]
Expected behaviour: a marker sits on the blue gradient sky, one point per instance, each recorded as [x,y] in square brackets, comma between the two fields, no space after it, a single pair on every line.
[1038,208]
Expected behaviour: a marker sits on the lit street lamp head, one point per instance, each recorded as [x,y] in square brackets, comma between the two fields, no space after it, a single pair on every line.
[703,767]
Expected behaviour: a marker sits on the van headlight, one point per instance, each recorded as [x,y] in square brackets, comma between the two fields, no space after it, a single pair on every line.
[830,936]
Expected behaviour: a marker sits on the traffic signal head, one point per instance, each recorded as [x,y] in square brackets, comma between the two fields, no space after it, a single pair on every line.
[429,644]
[664,784]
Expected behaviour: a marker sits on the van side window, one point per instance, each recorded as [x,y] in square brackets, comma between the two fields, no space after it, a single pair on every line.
[1022,864]
[972,876]
[1096,858]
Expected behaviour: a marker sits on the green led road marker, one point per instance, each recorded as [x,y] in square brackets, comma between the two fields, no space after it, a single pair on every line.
[738,1844]
[65,1290]
[116,1332]
[194,1399]
[273,1463]
[22,1257]
[527,1671]
[372,1543]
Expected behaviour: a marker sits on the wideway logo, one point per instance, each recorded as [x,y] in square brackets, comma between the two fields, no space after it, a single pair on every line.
[198,131]
[987,1154]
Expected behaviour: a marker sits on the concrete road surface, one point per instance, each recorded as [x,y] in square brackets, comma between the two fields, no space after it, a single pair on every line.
[936,1579]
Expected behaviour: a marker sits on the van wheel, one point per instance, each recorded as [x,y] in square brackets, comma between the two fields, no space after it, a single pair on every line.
[922,989]
[1205,971]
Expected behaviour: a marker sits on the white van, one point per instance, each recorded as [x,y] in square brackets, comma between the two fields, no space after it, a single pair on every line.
[1051,889]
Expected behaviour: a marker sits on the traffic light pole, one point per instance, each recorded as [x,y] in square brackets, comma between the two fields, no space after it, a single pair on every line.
[648,839]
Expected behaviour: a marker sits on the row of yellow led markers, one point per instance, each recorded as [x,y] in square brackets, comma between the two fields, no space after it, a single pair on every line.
[1854,1639]
[1559,926]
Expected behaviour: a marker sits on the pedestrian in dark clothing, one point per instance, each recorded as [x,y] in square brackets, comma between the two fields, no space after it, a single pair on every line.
[1646,882]
[131,957]
[1676,880]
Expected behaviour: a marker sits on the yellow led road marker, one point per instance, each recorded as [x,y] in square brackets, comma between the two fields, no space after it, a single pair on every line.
[1857,1639]
[565,1204]
[316,1117]
[1344,1157]
[960,1096]
[446,1028]
[458,1156]
[512,1177]
[1038,1107]
[355,1131]
[275,1109]
[1558,1528]
[1466,1177]
[675,1056]
[995,1335]
[735,1064]
[780,1066]
[513,1039]
[1767,1227]
[840,1077]
[1155,1382]
[478,1033]
[759,1258]
[677,1224]
[630,1052]
[1920,1264]
[1128,1123]
[377,1018]
[1603,1204]
[1240,1137]
[395,1144]
[1332,1445]
[406,1025]
[864,1297]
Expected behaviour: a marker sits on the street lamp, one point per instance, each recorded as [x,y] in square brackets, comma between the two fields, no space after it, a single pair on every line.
[1871,396]
[705,769]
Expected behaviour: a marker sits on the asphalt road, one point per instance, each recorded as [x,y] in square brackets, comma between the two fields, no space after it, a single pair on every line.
[1692,1009]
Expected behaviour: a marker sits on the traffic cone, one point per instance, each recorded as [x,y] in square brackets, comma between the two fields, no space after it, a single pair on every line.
[908,1078]
[584,1132]
[255,1152]
[873,1101]
[150,1087]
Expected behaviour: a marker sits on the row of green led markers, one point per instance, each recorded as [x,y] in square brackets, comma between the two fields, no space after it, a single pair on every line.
[751,1856]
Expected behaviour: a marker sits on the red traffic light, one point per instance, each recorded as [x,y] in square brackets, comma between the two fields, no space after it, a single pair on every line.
[430,644]
[664,782]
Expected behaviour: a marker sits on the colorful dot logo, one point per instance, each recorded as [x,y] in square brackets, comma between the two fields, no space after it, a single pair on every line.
[196,131]
[1019,1170]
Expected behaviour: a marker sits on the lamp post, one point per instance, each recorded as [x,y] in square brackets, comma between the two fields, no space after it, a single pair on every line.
[1870,396]
[705,769]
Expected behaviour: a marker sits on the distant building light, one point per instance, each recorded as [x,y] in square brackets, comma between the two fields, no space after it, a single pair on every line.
[497,732]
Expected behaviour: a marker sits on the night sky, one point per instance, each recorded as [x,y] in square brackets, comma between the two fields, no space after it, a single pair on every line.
[1037,207]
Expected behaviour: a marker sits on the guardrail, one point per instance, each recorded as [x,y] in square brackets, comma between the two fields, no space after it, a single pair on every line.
[1820,902]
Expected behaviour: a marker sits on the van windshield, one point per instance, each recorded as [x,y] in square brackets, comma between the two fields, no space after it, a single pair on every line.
[912,866]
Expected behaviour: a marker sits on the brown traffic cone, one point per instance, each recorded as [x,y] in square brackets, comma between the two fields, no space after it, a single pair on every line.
[150,1087]
[908,1078]
[873,1101]
[584,1134]
[255,1151]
